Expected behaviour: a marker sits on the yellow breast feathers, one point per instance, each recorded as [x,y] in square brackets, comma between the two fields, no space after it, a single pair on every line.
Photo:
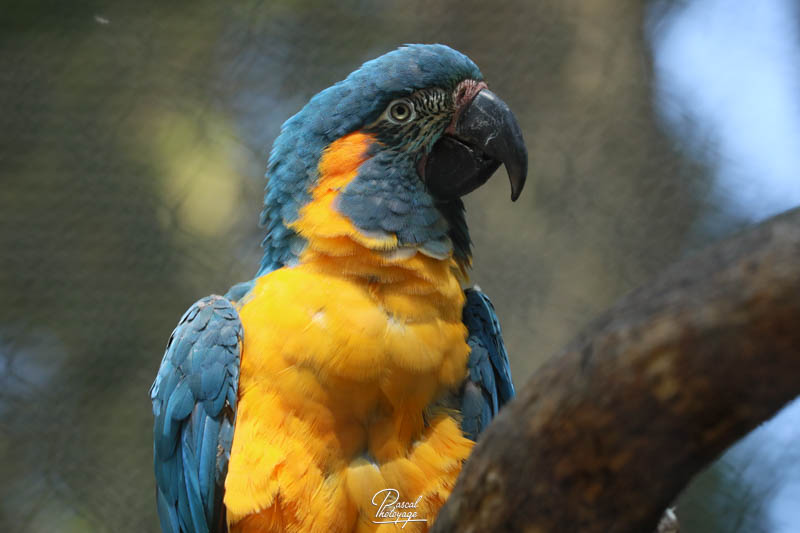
[343,354]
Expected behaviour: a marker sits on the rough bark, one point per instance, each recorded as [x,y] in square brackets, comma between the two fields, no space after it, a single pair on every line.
[605,435]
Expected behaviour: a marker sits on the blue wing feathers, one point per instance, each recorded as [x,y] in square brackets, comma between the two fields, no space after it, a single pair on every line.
[489,384]
[167,514]
[194,405]
[192,489]
[208,438]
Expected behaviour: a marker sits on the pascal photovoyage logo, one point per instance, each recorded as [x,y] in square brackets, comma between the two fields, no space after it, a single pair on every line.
[392,510]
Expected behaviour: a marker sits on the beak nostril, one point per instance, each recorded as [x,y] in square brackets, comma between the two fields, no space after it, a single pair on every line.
[482,135]
[466,91]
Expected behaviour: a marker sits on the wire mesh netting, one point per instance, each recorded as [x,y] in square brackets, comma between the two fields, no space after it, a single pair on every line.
[134,140]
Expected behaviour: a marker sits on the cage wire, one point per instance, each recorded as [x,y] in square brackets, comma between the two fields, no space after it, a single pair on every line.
[134,143]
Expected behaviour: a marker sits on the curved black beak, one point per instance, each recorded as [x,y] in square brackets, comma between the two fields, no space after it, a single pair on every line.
[485,135]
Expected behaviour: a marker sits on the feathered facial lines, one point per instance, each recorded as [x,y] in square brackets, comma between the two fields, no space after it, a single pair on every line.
[412,124]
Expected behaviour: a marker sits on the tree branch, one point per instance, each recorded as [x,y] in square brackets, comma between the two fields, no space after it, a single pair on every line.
[604,436]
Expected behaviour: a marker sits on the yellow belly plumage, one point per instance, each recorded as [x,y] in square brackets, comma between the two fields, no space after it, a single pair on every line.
[343,356]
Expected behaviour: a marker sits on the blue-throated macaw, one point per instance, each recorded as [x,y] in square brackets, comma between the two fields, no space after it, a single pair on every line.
[342,388]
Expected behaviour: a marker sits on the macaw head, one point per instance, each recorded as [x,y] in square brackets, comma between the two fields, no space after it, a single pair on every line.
[381,159]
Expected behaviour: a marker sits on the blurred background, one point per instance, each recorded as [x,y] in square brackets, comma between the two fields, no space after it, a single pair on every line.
[133,142]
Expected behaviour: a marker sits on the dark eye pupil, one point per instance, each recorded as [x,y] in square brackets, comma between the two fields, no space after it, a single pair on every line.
[400,112]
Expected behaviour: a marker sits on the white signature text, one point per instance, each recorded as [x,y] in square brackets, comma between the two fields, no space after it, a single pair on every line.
[392,510]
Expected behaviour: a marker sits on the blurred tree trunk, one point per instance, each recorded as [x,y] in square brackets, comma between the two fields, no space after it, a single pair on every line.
[605,435]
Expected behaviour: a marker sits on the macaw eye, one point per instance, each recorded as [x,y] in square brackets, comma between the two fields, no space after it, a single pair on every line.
[401,111]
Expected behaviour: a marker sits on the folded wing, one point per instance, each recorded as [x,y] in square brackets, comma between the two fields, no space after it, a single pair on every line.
[194,405]
[488,385]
